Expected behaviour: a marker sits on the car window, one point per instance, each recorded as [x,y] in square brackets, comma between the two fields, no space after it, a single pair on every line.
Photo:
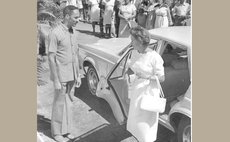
[118,72]
[153,44]
[172,54]
[177,77]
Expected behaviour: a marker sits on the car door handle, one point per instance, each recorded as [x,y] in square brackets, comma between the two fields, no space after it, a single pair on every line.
[107,87]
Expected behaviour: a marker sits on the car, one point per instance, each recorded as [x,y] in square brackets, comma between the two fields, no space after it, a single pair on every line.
[104,64]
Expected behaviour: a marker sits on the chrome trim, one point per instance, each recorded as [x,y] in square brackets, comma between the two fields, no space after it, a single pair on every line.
[182,111]
[166,124]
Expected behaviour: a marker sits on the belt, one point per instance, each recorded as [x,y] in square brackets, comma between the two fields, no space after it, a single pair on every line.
[161,15]
[109,6]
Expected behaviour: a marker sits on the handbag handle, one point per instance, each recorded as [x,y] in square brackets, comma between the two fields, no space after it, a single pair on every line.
[159,85]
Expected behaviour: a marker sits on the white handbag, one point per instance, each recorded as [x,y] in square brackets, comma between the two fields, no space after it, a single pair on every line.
[154,103]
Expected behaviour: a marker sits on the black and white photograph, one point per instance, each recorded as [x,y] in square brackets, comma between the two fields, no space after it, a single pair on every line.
[114,70]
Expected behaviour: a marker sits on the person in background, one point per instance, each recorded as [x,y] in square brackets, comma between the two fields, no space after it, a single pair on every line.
[136,3]
[108,15]
[85,10]
[62,3]
[151,17]
[171,7]
[188,21]
[71,2]
[142,13]
[80,7]
[113,25]
[63,58]
[127,13]
[163,16]
[141,123]
[116,20]
[94,13]
[181,12]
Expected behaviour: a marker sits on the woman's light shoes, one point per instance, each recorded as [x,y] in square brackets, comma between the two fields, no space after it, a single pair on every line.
[66,138]
[70,136]
[60,138]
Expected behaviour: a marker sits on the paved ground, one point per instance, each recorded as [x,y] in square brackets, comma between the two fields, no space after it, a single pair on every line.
[93,118]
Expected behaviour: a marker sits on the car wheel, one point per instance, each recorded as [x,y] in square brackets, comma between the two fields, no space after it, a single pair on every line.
[184,130]
[92,79]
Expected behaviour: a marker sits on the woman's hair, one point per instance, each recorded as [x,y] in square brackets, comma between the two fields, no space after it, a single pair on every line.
[140,34]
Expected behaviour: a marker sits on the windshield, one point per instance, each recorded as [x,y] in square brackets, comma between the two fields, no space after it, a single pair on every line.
[152,45]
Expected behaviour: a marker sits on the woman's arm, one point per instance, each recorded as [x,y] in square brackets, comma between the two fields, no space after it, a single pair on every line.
[120,14]
[161,78]
[133,14]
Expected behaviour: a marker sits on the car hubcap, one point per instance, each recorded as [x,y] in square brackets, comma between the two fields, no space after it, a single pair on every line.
[187,134]
[93,81]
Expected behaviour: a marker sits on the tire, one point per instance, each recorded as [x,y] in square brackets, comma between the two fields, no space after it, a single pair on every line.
[184,130]
[92,79]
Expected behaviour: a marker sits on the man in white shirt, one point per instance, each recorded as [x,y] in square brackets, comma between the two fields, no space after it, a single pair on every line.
[181,12]
[63,56]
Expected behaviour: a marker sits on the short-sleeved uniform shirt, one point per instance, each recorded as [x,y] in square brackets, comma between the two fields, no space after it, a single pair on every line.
[64,45]
[181,9]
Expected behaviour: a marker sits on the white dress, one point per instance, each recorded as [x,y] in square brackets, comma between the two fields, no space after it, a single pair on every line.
[79,4]
[95,11]
[108,14]
[144,124]
[127,11]
[161,17]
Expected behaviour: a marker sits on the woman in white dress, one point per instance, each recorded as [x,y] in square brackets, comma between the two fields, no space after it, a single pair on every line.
[94,13]
[80,7]
[143,124]
[163,16]
[108,15]
[127,13]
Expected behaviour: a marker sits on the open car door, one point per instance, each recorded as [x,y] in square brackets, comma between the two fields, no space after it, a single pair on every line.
[118,84]
[114,88]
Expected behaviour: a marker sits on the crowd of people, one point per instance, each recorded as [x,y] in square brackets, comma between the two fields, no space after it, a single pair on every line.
[116,16]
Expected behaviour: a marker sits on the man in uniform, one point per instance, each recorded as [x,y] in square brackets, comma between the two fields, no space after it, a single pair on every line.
[64,67]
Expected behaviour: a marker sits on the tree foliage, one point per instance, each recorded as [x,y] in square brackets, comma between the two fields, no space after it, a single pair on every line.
[49,6]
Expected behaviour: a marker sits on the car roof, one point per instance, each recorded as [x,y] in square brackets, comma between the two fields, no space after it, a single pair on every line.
[177,34]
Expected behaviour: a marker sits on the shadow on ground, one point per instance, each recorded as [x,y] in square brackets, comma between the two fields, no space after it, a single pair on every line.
[96,104]
[105,133]
[44,125]
[112,132]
